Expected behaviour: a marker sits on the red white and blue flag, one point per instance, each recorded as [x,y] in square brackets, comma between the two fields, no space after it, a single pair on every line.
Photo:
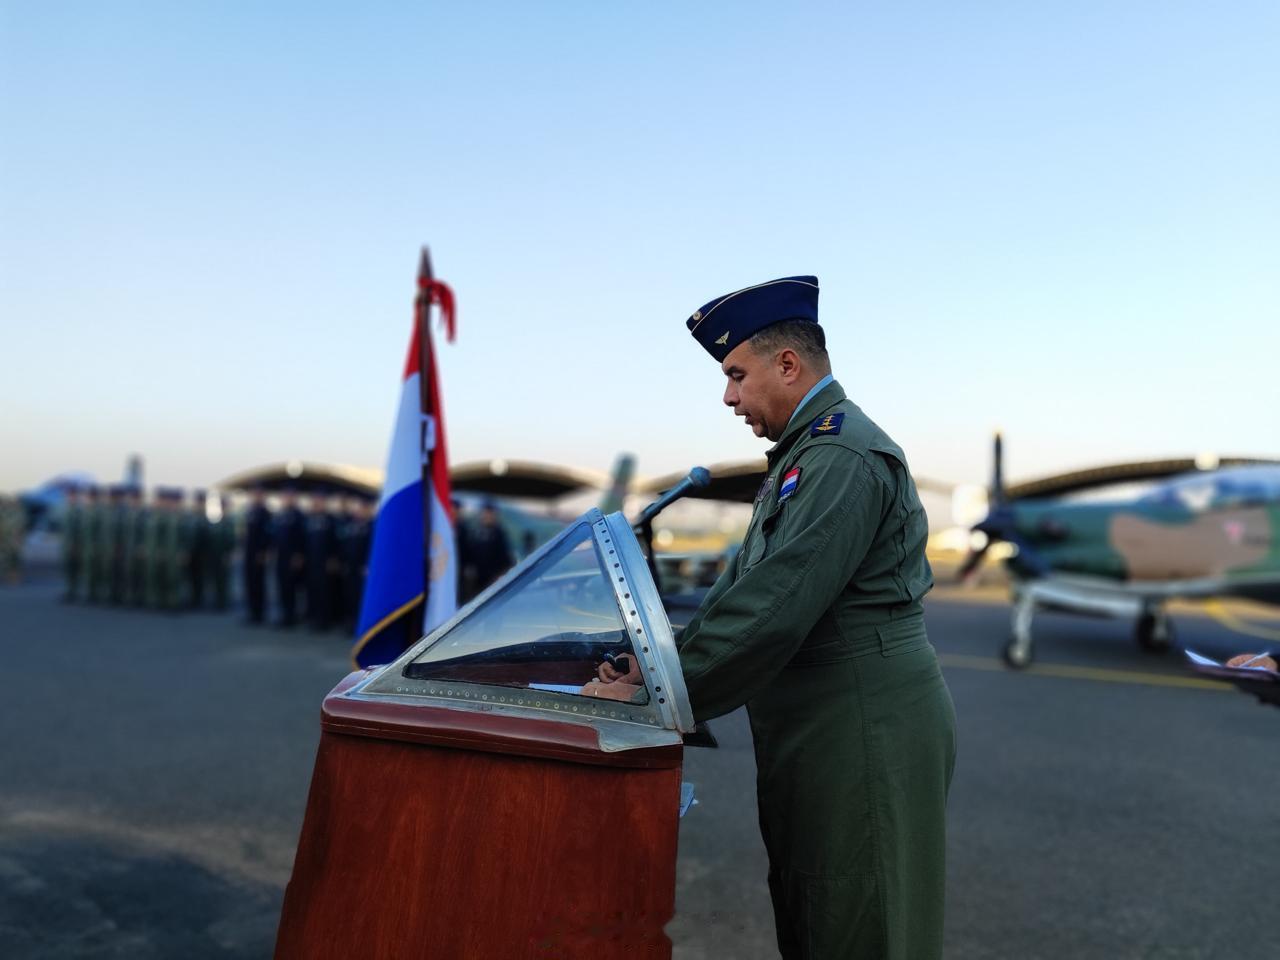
[789,484]
[413,558]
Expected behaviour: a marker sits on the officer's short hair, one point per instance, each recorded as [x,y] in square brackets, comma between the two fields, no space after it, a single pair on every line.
[803,336]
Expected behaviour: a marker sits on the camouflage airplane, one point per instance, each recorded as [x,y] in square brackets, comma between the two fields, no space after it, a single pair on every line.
[1196,534]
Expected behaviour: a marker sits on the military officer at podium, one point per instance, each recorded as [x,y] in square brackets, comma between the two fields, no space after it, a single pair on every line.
[817,627]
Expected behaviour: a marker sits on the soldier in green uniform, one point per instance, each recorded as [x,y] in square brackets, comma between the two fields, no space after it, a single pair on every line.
[94,567]
[73,530]
[222,544]
[135,548]
[817,627]
[164,544]
[111,554]
[198,547]
[13,530]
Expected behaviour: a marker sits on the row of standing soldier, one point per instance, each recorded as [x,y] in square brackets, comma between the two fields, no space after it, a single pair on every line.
[119,550]
[317,559]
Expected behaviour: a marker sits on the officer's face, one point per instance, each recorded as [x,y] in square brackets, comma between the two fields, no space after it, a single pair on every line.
[757,389]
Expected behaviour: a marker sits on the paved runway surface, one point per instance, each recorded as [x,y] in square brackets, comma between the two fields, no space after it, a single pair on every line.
[155,771]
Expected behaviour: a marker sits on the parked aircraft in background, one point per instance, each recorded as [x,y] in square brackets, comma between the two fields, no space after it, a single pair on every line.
[1191,533]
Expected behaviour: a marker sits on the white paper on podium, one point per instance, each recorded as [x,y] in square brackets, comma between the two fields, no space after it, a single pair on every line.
[1203,661]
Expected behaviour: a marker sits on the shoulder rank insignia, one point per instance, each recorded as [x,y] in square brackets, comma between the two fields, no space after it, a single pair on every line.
[827,425]
[790,483]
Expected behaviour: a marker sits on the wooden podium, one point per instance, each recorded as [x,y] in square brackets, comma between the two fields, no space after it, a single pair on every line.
[506,823]
[433,833]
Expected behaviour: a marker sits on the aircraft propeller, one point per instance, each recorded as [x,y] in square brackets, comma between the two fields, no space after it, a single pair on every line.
[1001,524]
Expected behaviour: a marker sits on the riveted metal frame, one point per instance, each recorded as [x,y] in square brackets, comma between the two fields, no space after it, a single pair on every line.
[619,725]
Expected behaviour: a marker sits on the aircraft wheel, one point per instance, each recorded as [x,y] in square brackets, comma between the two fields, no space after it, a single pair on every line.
[1017,655]
[1153,633]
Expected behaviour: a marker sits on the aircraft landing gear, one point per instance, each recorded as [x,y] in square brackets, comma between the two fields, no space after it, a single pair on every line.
[1154,631]
[1018,652]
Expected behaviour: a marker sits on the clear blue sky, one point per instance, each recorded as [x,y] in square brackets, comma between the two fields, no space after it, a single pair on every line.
[1060,218]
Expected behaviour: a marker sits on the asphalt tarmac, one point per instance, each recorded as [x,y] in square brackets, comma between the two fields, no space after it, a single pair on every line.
[155,770]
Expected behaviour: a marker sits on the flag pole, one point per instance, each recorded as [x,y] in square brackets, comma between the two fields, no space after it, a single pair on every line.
[427,428]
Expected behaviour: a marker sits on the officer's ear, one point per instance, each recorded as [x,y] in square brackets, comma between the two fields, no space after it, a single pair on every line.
[788,363]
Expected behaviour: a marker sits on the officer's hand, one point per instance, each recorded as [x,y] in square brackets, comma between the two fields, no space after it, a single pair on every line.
[608,673]
[1253,660]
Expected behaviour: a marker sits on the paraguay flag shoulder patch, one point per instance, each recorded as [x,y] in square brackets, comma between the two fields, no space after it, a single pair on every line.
[827,425]
[790,482]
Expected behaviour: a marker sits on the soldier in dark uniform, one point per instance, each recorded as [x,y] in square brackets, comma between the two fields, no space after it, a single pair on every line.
[336,578]
[257,549]
[322,563]
[73,534]
[289,539]
[355,560]
[817,626]
[488,549]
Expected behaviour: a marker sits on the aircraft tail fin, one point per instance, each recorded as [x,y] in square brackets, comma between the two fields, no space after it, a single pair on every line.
[624,469]
[997,470]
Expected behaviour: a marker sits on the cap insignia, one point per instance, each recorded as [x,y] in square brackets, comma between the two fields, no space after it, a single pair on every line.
[723,339]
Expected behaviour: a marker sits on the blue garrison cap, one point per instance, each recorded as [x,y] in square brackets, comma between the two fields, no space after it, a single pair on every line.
[727,321]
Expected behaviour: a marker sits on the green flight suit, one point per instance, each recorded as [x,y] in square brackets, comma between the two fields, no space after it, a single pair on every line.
[73,536]
[13,531]
[136,556]
[115,535]
[165,560]
[222,545]
[94,566]
[817,627]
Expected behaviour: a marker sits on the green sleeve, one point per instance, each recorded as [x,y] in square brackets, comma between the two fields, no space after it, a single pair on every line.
[744,634]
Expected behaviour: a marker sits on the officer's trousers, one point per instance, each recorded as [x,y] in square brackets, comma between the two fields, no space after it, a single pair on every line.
[855,747]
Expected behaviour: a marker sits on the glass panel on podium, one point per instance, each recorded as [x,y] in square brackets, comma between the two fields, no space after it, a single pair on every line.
[548,629]
[534,642]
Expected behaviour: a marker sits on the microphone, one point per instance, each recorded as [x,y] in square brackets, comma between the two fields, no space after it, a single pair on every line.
[698,477]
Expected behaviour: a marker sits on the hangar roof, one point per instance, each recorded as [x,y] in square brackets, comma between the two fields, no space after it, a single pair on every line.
[518,479]
[307,478]
[523,479]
